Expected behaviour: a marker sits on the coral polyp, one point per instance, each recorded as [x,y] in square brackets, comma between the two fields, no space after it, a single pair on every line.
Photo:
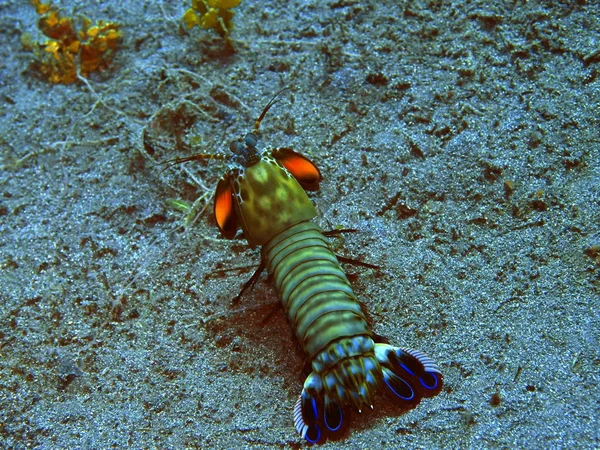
[69,53]
[213,14]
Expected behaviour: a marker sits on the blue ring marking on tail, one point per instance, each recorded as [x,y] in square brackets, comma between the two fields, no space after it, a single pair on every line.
[392,376]
[314,407]
[435,381]
[407,369]
[313,428]
[341,418]
[405,359]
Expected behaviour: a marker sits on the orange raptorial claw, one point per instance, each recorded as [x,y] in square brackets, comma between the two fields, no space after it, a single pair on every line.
[224,209]
[302,168]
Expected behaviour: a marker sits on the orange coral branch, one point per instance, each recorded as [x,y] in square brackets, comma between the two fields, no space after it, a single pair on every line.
[90,49]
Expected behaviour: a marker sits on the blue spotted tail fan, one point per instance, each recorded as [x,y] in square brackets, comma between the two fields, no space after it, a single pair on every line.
[401,376]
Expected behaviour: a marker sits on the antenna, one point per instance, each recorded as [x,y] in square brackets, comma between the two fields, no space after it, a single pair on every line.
[264,112]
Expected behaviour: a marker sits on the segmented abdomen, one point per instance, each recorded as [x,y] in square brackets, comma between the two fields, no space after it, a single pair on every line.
[348,367]
[315,292]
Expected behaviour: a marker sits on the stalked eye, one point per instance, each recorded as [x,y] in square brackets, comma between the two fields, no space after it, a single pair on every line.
[429,381]
[397,385]
[333,415]
[236,147]
[251,140]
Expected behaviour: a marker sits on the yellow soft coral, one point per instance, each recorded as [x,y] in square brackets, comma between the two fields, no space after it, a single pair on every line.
[213,14]
[98,43]
[90,49]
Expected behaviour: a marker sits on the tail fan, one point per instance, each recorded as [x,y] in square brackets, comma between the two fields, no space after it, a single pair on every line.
[409,375]
[402,376]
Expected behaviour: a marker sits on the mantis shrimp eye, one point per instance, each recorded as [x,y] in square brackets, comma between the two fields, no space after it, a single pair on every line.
[236,147]
[251,140]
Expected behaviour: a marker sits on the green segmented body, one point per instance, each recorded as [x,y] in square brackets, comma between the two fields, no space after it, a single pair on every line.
[315,293]
[264,195]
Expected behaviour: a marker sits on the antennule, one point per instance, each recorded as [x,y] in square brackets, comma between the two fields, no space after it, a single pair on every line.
[264,112]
